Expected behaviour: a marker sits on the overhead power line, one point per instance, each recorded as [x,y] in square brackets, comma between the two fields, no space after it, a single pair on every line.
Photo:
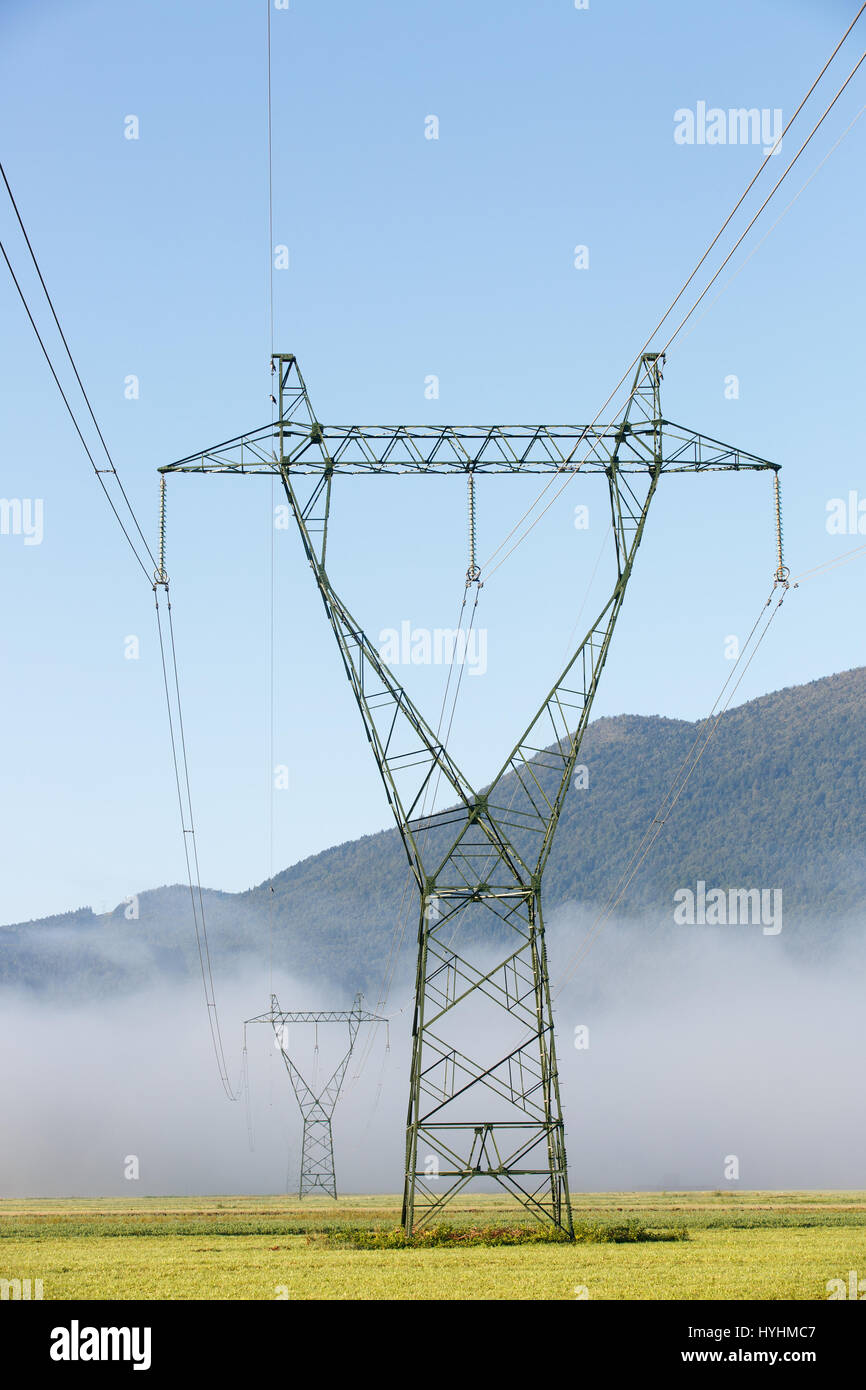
[99,472]
[157,579]
[50,302]
[666,315]
[677,786]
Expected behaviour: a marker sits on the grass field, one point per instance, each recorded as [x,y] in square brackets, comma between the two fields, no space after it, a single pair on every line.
[738,1246]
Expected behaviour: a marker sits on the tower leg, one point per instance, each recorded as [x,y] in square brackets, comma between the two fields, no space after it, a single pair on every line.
[412,1119]
[520,1142]
[317,1157]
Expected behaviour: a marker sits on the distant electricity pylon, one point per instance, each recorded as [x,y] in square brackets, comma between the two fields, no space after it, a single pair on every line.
[484,1097]
[317,1103]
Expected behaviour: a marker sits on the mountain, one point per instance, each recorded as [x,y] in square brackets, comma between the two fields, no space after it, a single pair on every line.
[777,800]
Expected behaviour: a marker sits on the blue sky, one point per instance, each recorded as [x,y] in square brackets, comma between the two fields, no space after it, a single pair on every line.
[408,257]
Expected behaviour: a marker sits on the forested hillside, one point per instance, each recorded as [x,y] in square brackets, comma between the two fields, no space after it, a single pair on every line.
[777,801]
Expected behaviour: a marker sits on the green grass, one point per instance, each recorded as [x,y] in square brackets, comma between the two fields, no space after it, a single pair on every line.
[490,1234]
[630,1246]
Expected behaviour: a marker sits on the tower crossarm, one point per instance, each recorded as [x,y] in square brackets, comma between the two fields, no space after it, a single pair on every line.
[324,1098]
[310,1016]
[444,449]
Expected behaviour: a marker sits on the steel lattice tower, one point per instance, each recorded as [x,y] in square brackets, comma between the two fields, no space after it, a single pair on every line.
[316,1105]
[484,1097]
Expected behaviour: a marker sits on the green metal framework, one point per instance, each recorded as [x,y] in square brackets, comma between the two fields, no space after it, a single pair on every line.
[316,1105]
[484,1097]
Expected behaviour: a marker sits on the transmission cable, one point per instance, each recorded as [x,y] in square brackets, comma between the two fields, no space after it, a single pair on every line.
[676,788]
[399,932]
[98,471]
[179,758]
[682,322]
[834,563]
[272,560]
[756,248]
[679,295]
[154,581]
[77,378]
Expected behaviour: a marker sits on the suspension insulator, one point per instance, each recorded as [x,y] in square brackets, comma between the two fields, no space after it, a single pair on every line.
[160,576]
[473,572]
[782,570]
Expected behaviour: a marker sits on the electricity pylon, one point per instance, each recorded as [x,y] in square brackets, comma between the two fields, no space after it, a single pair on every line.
[484,1097]
[316,1103]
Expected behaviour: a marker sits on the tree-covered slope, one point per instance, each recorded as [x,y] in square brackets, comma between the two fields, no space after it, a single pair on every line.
[776,801]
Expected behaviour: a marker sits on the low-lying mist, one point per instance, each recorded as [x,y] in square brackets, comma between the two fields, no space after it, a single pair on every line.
[710,1050]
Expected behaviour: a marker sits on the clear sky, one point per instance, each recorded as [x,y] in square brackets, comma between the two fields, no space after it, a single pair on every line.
[409,257]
